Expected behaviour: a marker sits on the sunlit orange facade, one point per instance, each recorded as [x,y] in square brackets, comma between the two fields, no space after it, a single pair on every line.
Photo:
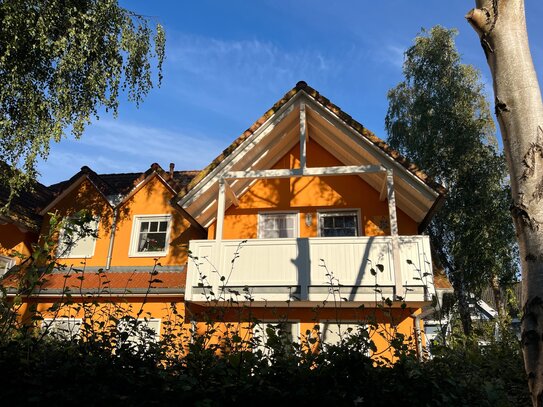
[149,223]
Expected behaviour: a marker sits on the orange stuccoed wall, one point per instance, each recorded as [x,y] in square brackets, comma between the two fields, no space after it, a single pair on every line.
[86,197]
[151,199]
[15,241]
[301,195]
[309,195]
[383,325]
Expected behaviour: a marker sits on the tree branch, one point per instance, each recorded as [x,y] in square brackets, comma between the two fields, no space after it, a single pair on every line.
[478,19]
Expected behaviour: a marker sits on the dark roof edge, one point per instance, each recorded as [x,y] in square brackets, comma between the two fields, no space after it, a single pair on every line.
[438,203]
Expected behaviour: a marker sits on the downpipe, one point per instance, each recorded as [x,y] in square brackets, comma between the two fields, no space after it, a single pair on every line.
[112,238]
[418,335]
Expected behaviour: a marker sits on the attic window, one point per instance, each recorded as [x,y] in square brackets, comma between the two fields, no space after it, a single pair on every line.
[150,236]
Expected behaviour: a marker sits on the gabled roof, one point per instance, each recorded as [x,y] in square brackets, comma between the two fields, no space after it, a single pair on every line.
[24,208]
[325,121]
[122,185]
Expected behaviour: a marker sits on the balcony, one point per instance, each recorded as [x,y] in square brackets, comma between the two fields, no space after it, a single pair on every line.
[311,271]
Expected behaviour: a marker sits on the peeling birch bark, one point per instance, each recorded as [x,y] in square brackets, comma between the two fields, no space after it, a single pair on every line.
[501,25]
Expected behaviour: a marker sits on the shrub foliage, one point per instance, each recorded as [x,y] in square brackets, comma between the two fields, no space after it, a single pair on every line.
[116,359]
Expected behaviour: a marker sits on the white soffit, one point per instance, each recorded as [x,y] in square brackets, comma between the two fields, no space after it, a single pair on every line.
[413,196]
[260,150]
[280,134]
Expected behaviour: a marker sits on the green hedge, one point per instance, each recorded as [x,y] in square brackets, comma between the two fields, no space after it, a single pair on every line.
[85,373]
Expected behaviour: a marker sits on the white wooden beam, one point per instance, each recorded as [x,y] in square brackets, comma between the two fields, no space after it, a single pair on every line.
[343,170]
[231,194]
[220,211]
[398,282]
[303,138]
[260,174]
[333,120]
[392,203]
[240,152]
[304,172]
[384,190]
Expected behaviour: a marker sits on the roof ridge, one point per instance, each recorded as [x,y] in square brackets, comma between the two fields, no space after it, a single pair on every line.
[142,172]
[340,114]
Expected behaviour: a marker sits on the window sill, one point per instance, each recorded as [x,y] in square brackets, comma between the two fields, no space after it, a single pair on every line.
[148,254]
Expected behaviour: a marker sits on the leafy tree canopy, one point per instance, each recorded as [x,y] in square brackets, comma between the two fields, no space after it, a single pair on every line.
[439,118]
[60,61]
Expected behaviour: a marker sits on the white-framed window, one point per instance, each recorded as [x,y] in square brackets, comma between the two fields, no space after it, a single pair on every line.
[62,328]
[78,241]
[140,332]
[285,331]
[334,333]
[6,263]
[338,223]
[273,225]
[150,235]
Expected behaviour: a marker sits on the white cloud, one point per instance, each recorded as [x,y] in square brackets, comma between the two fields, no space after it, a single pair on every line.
[209,56]
[114,146]
[390,54]
[241,65]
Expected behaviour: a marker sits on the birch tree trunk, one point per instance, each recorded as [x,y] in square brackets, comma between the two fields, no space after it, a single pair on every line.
[501,25]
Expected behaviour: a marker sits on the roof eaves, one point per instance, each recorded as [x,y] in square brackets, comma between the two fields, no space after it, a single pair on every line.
[340,114]
[23,223]
[73,183]
[99,293]
[378,142]
[247,133]
[154,171]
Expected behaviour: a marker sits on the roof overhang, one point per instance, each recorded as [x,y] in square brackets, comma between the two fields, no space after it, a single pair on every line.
[73,186]
[281,132]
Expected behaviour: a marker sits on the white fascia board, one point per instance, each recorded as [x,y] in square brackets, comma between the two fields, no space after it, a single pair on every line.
[240,151]
[64,193]
[307,172]
[337,122]
[73,186]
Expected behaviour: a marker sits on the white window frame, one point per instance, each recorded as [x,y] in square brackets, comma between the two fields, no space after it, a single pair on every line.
[331,212]
[9,263]
[261,334]
[62,251]
[74,326]
[334,325]
[295,215]
[136,228]
[134,338]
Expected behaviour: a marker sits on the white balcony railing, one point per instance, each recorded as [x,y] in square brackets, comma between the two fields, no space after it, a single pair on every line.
[310,269]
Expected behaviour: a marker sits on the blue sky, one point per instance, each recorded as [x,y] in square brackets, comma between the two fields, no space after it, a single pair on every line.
[228,62]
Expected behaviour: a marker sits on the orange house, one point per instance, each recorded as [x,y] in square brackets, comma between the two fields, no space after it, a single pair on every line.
[307,218]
